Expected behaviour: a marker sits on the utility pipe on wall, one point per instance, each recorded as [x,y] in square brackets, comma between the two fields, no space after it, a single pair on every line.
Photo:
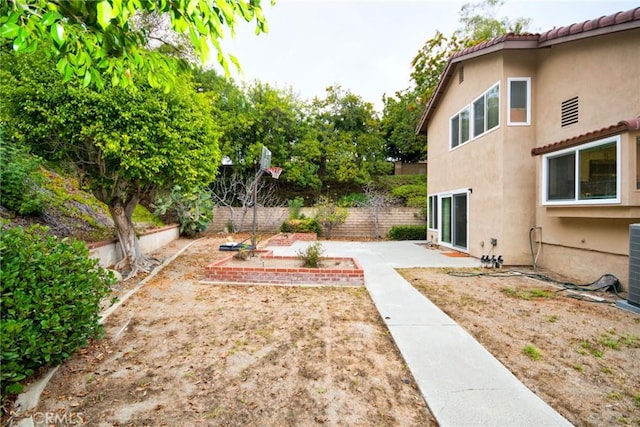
[532,239]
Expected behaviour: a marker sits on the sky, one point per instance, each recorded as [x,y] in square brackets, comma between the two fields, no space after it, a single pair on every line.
[366,46]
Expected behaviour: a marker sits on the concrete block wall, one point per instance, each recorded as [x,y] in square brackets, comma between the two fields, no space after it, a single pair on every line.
[108,252]
[359,223]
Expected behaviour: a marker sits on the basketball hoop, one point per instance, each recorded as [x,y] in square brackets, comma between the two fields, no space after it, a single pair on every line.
[275,171]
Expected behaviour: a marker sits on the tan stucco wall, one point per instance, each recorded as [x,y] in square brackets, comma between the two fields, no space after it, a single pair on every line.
[505,202]
[602,71]
[588,241]
[497,166]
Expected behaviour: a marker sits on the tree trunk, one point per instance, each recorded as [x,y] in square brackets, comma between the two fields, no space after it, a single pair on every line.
[134,259]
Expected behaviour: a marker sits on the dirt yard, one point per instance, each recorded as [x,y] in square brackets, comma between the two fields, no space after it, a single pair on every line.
[582,358]
[184,353]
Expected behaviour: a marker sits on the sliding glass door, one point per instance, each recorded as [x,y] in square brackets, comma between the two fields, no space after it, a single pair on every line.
[453,217]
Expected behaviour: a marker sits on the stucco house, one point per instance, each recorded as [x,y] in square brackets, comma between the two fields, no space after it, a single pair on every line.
[534,148]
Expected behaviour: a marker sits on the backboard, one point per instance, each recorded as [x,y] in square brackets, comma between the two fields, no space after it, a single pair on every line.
[265,158]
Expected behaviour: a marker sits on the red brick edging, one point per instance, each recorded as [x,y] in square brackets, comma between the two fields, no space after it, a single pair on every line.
[219,272]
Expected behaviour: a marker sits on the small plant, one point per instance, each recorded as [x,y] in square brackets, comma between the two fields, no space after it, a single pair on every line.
[614,395]
[194,210]
[606,370]
[636,400]
[526,294]
[311,256]
[578,367]
[552,319]
[585,344]
[533,352]
[329,215]
[242,254]
[540,293]
[295,205]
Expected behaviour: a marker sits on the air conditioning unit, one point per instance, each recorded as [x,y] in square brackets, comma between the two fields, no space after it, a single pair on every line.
[633,298]
[634,265]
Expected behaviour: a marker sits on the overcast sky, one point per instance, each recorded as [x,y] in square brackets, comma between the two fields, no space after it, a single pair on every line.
[367,46]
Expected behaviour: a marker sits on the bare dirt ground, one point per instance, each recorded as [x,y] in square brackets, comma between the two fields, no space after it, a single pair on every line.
[582,358]
[184,353]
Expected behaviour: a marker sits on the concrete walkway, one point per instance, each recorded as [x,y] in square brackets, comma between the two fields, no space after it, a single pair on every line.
[462,383]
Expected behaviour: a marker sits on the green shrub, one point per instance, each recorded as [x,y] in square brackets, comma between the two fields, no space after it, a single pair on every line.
[389,183]
[408,232]
[194,210]
[311,256]
[329,215]
[408,192]
[294,206]
[19,181]
[353,200]
[302,225]
[50,293]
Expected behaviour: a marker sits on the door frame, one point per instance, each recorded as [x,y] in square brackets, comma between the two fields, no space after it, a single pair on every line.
[450,195]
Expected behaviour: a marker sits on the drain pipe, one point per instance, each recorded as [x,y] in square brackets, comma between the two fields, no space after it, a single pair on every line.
[535,254]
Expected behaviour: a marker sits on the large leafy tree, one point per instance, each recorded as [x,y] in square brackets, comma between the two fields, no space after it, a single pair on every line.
[400,115]
[342,142]
[251,117]
[125,145]
[97,39]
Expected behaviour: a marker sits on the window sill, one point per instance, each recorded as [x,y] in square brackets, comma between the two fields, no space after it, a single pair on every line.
[594,211]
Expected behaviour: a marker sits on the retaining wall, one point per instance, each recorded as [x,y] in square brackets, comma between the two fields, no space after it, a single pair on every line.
[108,252]
[359,223]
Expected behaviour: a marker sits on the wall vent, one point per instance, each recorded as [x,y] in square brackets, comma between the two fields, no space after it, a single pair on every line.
[461,74]
[634,265]
[569,112]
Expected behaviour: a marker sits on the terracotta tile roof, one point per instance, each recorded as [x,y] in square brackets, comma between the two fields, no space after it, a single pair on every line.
[622,126]
[606,24]
[592,25]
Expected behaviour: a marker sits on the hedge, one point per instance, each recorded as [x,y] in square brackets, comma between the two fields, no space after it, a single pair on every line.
[303,225]
[408,232]
[50,291]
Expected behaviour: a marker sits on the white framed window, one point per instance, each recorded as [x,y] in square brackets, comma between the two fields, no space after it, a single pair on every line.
[586,174]
[433,212]
[486,111]
[519,99]
[477,118]
[460,128]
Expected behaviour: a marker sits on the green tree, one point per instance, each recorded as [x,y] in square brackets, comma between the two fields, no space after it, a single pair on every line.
[125,146]
[343,139]
[93,39]
[479,24]
[398,126]
[251,117]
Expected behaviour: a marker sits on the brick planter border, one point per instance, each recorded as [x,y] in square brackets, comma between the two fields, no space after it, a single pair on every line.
[219,272]
[287,239]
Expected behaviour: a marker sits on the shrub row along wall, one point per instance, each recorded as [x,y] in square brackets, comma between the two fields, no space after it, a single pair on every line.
[359,223]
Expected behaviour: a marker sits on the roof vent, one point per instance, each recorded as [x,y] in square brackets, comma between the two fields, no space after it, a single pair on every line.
[569,112]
